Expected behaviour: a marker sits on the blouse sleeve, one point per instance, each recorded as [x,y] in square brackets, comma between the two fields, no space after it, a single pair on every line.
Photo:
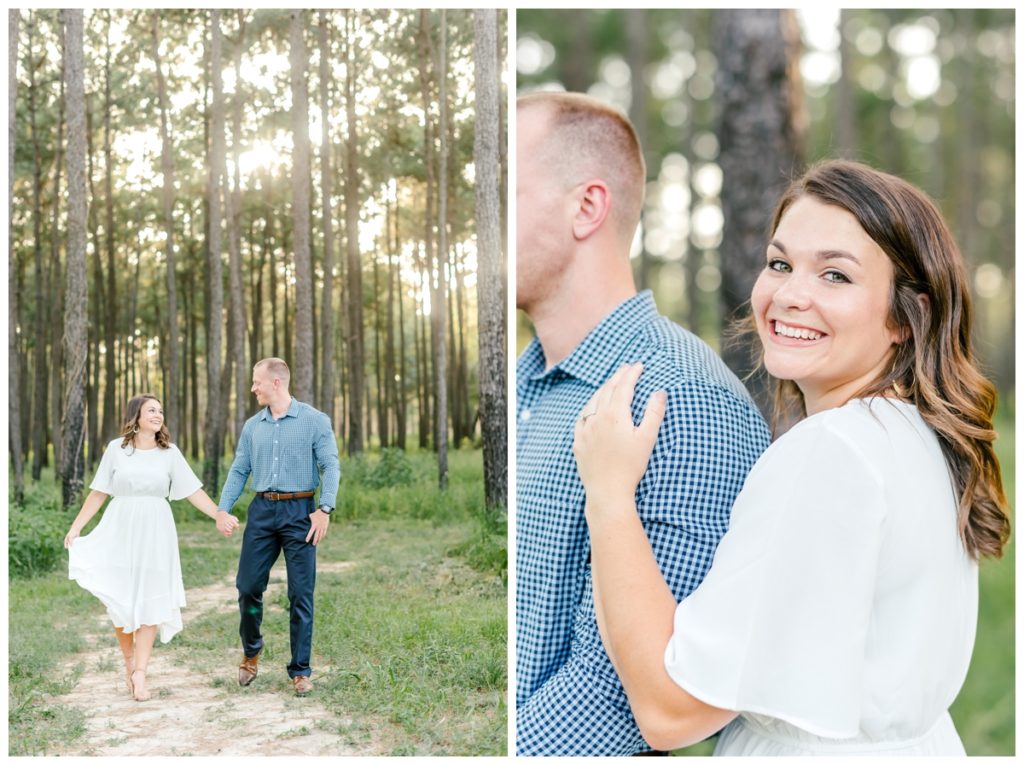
[104,479]
[779,625]
[184,482]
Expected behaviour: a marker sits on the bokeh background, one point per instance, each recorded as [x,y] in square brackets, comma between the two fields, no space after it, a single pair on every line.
[925,94]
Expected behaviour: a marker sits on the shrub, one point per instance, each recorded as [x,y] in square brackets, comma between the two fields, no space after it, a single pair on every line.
[36,538]
[393,469]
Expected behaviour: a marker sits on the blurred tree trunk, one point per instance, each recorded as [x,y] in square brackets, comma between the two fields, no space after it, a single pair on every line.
[75,316]
[378,330]
[110,297]
[54,280]
[303,382]
[400,409]
[846,114]
[326,186]
[357,379]
[96,436]
[390,383]
[577,69]
[637,54]
[428,238]
[760,135]
[37,420]
[174,406]
[491,304]
[968,136]
[212,433]
[13,360]
[438,304]
[236,302]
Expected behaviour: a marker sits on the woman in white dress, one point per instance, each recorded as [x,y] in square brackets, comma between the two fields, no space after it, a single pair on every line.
[130,560]
[838,616]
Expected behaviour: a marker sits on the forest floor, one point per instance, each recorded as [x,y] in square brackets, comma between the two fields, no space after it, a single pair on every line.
[409,641]
[194,709]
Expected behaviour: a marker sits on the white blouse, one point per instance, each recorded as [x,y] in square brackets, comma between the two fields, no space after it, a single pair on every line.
[157,472]
[839,613]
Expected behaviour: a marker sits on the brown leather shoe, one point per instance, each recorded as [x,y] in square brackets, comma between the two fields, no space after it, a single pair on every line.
[247,670]
[303,685]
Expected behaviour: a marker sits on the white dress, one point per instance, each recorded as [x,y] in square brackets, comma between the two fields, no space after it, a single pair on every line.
[130,560]
[839,614]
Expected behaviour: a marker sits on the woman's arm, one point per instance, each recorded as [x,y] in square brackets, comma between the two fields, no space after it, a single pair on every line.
[90,507]
[635,608]
[226,522]
[635,612]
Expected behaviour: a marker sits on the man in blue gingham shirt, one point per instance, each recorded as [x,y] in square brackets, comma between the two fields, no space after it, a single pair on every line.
[579,292]
[285,447]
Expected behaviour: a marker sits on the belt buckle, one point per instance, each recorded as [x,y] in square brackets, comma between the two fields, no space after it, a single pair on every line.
[273,495]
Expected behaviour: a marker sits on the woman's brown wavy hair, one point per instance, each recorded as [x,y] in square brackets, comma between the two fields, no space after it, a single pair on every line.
[131,422]
[934,367]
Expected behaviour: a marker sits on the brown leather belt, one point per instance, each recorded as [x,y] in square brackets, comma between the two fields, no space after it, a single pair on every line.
[276,495]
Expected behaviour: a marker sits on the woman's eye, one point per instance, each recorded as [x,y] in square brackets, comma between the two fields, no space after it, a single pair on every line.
[774,264]
[836,277]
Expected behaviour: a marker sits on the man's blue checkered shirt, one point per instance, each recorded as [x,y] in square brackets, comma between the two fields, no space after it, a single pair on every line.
[287,454]
[569,699]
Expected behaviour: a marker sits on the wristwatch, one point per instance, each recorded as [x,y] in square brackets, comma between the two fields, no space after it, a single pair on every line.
[325,509]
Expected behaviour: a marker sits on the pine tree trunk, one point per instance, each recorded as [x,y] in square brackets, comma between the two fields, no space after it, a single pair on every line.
[174,408]
[355,278]
[212,434]
[760,148]
[326,186]
[438,312]
[13,360]
[53,279]
[491,309]
[110,297]
[95,435]
[37,420]
[236,308]
[75,337]
[303,366]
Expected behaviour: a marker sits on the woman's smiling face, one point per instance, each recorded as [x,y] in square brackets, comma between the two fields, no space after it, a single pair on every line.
[822,304]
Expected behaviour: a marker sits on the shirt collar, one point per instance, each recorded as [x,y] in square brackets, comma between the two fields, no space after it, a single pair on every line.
[597,355]
[293,411]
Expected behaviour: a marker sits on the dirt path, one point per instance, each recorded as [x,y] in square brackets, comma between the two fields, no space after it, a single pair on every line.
[193,713]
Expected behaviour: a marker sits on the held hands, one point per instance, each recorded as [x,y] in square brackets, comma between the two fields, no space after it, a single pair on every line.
[319,520]
[612,454]
[226,523]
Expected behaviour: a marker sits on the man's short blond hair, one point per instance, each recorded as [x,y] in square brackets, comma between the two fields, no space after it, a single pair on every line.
[590,139]
[276,367]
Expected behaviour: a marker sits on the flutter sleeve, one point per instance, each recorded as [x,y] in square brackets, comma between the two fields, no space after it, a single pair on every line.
[779,625]
[104,478]
[184,482]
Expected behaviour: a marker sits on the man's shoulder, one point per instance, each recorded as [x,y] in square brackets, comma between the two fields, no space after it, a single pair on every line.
[309,412]
[678,361]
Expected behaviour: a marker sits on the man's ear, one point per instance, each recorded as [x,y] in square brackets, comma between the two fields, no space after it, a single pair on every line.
[595,204]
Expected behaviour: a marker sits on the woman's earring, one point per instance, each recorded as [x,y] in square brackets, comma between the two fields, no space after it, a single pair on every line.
[136,428]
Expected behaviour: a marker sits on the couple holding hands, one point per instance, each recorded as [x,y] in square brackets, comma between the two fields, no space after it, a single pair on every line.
[815,594]
[130,560]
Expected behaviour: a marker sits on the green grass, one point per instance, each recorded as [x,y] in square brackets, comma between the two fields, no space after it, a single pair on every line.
[984,711]
[409,642]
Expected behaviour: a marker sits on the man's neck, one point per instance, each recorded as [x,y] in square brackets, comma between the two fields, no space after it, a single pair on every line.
[564,320]
[279,408]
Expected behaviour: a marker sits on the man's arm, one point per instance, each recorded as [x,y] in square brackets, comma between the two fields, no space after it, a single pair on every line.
[241,467]
[706,446]
[325,449]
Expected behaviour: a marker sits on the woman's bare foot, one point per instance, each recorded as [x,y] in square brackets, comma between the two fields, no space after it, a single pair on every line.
[139,690]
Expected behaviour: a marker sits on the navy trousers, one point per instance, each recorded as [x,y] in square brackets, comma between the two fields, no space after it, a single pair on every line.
[271,527]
